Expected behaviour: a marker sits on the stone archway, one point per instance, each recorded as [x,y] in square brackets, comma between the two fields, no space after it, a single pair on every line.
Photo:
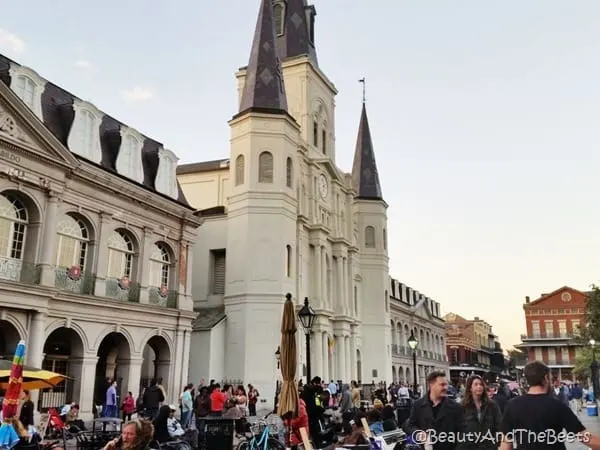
[114,354]
[157,363]
[9,339]
[63,352]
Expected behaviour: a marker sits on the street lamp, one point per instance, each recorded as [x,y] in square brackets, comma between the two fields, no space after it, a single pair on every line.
[413,343]
[594,369]
[278,356]
[276,400]
[307,317]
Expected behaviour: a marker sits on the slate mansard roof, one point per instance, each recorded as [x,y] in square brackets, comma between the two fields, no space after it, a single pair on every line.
[58,115]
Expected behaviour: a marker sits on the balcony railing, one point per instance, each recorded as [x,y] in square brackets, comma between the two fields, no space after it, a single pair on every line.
[167,299]
[560,362]
[401,350]
[76,282]
[548,335]
[19,271]
[125,292]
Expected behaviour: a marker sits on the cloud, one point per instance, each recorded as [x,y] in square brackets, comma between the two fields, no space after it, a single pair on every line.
[138,94]
[84,64]
[11,41]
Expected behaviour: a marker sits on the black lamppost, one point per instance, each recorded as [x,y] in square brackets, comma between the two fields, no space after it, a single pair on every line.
[278,358]
[594,368]
[307,317]
[413,343]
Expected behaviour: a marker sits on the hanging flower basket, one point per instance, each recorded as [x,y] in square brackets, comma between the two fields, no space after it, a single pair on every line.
[74,273]
[163,291]
[124,283]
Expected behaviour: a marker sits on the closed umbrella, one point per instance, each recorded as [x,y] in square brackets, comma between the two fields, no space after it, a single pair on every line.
[8,434]
[288,397]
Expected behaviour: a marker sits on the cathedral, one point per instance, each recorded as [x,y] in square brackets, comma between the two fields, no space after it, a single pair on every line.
[279,216]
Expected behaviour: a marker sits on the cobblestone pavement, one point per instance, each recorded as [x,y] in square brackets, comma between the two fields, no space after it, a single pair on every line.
[592,424]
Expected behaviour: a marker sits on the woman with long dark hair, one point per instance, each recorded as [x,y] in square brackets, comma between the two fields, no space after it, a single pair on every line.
[482,417]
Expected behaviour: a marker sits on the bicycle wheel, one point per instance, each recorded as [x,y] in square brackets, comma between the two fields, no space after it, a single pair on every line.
[243,446]
[274,444]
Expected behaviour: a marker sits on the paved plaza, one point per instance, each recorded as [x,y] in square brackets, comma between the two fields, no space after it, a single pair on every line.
[592,424]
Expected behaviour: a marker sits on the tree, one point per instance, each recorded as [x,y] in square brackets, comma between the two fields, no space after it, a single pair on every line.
[582,370]
[591,328]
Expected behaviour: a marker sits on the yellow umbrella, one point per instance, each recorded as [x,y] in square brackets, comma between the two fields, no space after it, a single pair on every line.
[288,397]
[32,378]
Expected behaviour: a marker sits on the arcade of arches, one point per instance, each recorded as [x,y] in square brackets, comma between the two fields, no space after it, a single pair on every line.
[114,357]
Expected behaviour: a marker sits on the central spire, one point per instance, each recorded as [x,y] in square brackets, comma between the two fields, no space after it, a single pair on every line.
[264,90]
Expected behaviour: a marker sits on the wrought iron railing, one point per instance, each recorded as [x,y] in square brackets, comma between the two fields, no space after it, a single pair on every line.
[19,271]
[548,335]
[160,297]
[73,281]
[125,292]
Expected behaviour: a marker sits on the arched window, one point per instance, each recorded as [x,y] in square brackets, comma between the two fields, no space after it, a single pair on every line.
[86,138]
[288,260]
[120,255]
[384,239]
[265,167]
[73,241]
[279,18]
[239,170]
[289,172]
[13,226]
[324,138]
[160,266]
[370,237]
[25,90]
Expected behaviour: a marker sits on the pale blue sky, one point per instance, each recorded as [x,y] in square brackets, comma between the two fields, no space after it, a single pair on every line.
[484,118]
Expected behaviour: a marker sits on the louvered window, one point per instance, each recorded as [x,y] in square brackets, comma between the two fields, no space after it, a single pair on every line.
[218,272]
[289,172]
[370,237]
[239,170]
[265,167]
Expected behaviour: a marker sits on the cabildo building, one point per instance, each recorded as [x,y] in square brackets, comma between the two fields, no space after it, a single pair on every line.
[95,244]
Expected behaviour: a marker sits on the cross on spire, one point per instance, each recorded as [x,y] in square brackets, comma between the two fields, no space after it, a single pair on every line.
[363,81]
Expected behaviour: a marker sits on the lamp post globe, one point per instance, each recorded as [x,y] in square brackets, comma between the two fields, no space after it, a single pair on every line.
[413,344]
[307,317]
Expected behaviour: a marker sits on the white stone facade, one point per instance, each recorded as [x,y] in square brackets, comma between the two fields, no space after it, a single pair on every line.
[95,269]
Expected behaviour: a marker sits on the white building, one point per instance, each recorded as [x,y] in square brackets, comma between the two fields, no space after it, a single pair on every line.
[95,244]
[413,312]
[281,216]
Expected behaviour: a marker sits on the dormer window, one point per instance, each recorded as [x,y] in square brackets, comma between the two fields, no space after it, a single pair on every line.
[166,181]
[129,160]
[84,138]
[279,16]
[28,86]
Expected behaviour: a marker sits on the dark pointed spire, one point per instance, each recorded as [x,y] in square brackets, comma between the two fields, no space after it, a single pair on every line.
[365,178]
[296,37]
[264,90]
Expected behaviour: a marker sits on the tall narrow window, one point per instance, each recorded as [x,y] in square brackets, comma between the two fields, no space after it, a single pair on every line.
[160,267]
[324,141]
[25,90]
[86,137]
[218,275]
[384,239]
[120,255]
[289,172]
[73,241]
[239,170]
[288,260]
[13,225]
[370,237]
[315,134]
[355,301]
[265,168]
[129,161]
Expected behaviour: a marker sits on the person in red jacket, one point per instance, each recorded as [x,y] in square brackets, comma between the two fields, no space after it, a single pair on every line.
[299,422]
[128,407]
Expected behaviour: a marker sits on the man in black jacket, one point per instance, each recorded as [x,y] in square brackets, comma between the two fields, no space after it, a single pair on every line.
[435,420]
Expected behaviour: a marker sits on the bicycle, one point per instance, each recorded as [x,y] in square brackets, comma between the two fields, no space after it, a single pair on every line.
[261,437]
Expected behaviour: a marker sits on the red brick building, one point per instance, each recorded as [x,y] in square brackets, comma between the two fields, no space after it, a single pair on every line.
[553,322]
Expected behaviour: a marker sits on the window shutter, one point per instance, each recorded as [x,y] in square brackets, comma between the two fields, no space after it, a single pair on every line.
[219,273]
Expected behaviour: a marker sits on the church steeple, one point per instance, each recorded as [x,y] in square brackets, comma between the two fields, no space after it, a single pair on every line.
[365,178]
[264,90]
[295,29]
